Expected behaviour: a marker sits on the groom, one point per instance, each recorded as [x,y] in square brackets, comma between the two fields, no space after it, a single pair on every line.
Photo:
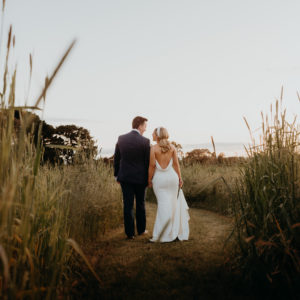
[131,162]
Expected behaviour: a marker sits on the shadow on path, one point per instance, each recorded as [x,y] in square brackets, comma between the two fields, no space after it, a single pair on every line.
[138,269]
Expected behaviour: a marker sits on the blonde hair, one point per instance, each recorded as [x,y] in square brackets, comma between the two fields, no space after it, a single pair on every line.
[162,137]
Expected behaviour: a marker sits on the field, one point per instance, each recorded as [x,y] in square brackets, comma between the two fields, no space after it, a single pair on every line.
[61,234]
[83,203]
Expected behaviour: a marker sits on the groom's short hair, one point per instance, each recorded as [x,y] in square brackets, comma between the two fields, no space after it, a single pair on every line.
[137,121]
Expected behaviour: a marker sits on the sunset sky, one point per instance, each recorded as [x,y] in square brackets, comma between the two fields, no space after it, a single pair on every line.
[195,67]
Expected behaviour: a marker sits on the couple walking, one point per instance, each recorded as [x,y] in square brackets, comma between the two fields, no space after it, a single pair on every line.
[138,165]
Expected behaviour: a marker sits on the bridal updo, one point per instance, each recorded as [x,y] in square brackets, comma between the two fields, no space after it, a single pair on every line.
[162,139]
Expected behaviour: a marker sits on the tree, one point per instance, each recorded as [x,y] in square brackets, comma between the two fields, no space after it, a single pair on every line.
[64,144]
[70,143]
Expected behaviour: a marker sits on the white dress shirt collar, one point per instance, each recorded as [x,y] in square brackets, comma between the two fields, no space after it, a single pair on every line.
[136,130]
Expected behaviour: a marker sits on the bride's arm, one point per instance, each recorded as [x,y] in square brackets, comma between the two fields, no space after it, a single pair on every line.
[176,166]
[151,166]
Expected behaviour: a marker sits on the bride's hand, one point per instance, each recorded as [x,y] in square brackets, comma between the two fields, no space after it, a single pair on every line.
[149,184]
[180,182]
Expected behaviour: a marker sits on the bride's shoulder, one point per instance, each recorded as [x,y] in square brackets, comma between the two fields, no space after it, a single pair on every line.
[154,147]
[172,147]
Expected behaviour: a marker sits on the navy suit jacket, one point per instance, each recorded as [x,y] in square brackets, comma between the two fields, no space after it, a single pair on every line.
[131,158]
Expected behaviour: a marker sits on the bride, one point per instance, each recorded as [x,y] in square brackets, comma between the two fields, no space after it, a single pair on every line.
[164,176]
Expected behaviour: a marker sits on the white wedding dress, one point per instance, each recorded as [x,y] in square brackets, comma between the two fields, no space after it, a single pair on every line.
[172,215]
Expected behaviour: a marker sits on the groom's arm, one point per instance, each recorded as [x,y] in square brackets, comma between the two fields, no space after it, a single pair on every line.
[147,155]
[151,168]
[117,158]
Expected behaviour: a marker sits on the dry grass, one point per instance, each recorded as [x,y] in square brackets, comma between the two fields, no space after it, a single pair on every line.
[95,199]
[41,208]
[267,207]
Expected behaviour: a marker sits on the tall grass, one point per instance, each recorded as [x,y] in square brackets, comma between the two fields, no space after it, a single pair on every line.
[42,208]
[204,185]
[267,206]
[95,199]
[33,227]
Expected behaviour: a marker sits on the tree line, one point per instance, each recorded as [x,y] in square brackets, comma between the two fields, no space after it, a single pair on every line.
[64,144]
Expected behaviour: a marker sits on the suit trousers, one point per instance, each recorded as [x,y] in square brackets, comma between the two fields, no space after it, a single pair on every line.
[131,191]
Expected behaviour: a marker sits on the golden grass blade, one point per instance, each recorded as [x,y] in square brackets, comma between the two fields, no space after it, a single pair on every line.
[281,94]
[23,107]
[249,239]
[213,143]
[246,123]
[38,151]
[261,243]
[49,81]
[251,224]
[1,29]
[5,264]
[247,150]
[9,38]
[30,63]
[269,278]
[11,98]
[46,84]
[30,260]
[80,252]
[6,65]
[295,225]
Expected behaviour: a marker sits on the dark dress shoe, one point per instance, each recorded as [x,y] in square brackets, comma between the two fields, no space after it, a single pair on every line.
[130,237]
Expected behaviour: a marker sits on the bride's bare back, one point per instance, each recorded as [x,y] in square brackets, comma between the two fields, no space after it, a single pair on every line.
[172,216]
[163,158]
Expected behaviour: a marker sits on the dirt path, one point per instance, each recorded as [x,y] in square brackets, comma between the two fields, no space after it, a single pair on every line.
[138,269]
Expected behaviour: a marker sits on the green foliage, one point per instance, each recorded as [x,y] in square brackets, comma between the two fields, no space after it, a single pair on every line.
[65,144]
[69,144]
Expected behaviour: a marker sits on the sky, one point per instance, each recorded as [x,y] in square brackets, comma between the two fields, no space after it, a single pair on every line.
[194,67]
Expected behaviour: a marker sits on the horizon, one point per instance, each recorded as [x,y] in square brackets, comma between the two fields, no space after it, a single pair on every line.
[195,68]
[227,148]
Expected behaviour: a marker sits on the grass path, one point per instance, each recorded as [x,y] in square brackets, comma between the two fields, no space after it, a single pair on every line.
[138,269]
